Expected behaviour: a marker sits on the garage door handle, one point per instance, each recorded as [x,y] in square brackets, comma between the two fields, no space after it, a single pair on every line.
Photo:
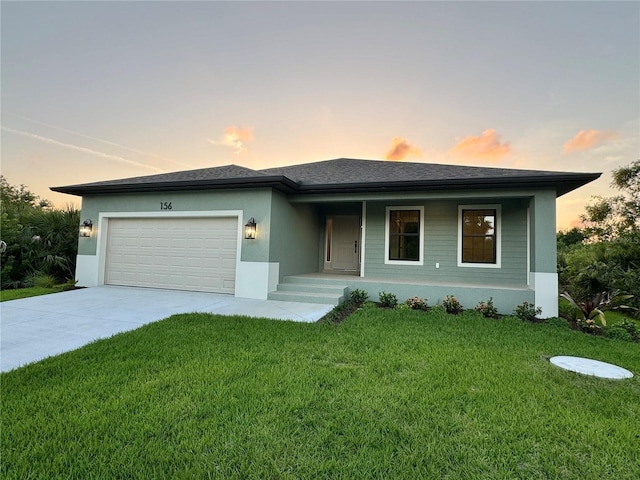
[356,247]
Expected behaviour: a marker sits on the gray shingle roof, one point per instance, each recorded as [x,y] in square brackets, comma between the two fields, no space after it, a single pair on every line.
[342,175]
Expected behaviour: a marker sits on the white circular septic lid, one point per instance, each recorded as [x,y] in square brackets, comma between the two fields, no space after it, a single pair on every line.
[587,366]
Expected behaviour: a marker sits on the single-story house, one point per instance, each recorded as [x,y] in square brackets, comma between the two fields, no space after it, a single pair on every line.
[314,231]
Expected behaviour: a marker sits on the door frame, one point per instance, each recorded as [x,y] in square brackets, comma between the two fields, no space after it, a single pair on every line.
[329,248]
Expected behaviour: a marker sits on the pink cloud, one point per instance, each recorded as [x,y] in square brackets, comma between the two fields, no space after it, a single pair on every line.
[236,138]
[587,139]
[401,149]
[486,146]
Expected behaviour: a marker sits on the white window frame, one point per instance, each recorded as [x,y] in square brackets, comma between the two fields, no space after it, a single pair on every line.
[420,260]
[498,235]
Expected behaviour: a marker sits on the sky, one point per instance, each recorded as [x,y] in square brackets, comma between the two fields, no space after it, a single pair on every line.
[94,91]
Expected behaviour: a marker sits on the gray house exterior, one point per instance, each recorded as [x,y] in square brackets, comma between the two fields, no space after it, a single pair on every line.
[412,229]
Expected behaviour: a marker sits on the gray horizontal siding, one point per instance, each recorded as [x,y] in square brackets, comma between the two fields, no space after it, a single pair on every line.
[441,245]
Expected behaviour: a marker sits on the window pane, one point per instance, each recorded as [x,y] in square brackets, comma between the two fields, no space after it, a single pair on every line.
[404,235]
[478,236]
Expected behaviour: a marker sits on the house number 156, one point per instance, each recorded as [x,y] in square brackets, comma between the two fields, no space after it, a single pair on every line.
[165,206]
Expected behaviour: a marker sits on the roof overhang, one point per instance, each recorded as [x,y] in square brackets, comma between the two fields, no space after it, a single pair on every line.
[562,183]
[278,182]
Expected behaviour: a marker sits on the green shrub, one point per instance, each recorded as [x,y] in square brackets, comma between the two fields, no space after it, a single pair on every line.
[416,303]
[557,322]
[68,285]
[42,280]
[452,305]
[589,325]
[631,328]
[527,311]
[567,311]
[487,309]
[387,300]
[358,296]
[618,333]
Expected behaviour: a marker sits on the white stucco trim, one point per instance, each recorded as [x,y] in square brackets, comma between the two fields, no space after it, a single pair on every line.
[363,236]
[420,260]
[498,230]
[528,246]
[256,279]
[545,286]
[87,270]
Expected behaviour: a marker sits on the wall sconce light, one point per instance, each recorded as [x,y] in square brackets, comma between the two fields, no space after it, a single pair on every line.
[85,228]
[250,229]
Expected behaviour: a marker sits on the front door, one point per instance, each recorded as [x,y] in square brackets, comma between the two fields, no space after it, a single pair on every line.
[343,243]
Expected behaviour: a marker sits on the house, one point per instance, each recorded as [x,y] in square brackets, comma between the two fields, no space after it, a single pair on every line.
[320,229]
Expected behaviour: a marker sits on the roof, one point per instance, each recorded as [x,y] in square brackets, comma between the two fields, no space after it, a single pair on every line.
[342,175]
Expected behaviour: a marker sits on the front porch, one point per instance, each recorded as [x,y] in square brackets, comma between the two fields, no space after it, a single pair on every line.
[333,289]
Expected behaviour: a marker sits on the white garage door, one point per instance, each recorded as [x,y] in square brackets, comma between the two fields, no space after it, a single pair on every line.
[196,254]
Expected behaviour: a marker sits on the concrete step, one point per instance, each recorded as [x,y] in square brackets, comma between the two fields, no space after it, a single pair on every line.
[306,297]
[313,288]
[296,289]
[315,280]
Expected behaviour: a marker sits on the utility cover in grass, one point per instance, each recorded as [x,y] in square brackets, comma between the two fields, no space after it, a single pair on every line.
[587,366]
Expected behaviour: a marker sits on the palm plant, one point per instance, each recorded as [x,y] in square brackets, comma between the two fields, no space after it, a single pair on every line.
[592,307]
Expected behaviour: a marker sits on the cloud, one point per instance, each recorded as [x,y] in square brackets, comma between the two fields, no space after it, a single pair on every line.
[587,139]
[401,149]
[235,138]
[487,146]
[81,149]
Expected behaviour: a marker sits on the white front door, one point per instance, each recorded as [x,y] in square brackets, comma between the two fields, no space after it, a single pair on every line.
[344,246]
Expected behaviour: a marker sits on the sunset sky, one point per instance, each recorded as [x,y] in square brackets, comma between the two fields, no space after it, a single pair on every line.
[100,90]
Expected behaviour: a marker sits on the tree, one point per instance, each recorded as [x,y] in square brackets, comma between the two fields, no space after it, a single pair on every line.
[616,217]
[36,240]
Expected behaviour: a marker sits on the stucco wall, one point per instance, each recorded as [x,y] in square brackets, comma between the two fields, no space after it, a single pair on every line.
[254,203]
[295,236]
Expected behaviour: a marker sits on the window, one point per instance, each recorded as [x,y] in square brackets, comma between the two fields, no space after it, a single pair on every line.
[404,235]
[479,240]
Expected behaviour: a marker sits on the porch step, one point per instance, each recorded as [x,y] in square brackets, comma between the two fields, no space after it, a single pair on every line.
[294,290]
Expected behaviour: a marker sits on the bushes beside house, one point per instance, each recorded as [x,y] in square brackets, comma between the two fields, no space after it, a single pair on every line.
[39,243]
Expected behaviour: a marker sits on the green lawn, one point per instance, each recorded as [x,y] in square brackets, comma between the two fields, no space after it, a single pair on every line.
[6,295]
[386,394]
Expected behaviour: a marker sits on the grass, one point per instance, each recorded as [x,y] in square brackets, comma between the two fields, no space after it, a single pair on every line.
[15,294]
[385,394]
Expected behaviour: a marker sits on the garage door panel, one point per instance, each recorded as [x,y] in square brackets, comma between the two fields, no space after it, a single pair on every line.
[178,253]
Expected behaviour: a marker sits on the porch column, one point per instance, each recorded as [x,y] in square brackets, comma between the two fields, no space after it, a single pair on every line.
[543,277]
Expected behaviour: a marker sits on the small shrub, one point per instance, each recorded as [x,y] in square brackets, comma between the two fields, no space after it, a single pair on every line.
[416,303]
[527,311]
[403,306]
[358,296]
[557,322]
[452,305]
[567,311]
[387,300]
[43,281]
[618,333]
[68,285]
[487,309]
[589,325]
[631,328]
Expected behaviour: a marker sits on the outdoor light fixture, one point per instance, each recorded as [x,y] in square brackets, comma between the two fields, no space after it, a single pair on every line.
[250,229]
[85,228]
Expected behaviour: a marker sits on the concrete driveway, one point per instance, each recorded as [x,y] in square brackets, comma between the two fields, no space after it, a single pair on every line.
[35,328]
